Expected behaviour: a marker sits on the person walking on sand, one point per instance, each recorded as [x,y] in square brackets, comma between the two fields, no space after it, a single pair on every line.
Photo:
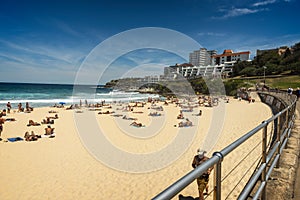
[202,181]
[8,105]
[1,125]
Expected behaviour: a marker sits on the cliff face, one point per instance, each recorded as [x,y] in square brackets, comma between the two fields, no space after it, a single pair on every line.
[127,84]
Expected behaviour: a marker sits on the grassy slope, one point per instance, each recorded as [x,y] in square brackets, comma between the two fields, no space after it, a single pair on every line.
[284,82]
[279,81]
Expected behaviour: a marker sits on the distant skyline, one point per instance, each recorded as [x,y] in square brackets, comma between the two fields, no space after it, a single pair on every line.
[47,41]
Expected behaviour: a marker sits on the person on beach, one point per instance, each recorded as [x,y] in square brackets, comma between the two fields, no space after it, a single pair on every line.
[180,115]
[55,117]
[28,108]
[32,123]
[3,112]
[8,105]
[200,113]
[1,125]
[49,130]
[47,121]
[187,123]
[31,137]
[298,93]
[136,124]
[202,181]
[20,109]
[70,107]
[290,91]
[128,118]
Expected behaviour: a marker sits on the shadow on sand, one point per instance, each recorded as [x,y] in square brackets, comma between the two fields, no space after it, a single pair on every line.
[181,197]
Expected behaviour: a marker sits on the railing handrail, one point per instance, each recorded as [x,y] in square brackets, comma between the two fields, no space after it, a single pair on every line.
[216,158]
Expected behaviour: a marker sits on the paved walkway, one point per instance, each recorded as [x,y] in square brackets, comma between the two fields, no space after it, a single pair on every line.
[285,180]
[297,182]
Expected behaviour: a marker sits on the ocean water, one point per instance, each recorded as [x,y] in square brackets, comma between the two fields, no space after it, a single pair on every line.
[38,95]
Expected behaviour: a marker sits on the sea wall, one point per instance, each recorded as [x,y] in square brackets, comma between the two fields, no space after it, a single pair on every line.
[282,182]
[276,103]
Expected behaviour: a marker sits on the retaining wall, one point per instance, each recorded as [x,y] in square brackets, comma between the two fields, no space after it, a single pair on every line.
[282,183]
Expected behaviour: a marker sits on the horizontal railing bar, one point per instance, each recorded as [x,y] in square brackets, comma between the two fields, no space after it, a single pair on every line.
[272,152]
[259,190]
[179,185]
[242,139]
[283,134]
[283,145]
[247,189]
[290,124]
[272,166]
[275,116]
[289,132]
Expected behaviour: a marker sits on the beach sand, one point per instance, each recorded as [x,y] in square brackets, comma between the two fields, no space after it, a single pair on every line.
[63,168]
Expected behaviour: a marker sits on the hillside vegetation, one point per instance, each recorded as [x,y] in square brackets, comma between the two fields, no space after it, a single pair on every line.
[278,71]
[287,63]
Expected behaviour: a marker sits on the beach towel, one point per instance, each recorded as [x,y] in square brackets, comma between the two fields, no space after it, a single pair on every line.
[15,139]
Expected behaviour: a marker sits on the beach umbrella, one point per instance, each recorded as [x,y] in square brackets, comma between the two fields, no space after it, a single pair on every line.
[62,103]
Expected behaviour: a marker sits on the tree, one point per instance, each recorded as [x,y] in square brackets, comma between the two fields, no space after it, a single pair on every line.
[248,71]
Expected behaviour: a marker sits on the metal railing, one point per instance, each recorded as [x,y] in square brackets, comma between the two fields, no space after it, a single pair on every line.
[270,156]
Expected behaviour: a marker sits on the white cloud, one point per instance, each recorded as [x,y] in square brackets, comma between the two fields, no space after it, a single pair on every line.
[235,12]
[211,34]
[263,3]
[239,11]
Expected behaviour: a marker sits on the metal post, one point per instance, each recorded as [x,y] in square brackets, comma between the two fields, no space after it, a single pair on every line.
[264,160]
[217,177]
[279,121]
[287,120]
[264,75]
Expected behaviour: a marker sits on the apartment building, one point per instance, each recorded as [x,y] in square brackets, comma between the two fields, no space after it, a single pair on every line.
[229,56]
[201,57]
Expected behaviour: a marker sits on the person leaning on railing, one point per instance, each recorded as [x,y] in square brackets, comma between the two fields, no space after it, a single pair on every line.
[202,181]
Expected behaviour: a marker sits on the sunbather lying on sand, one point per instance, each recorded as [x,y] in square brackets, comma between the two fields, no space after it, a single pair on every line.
[31,137]
[154,114]
[187,123]
[55,117]
[106,112]
[136,124]
[52,111]
[32,123]
[10,119]
[47,121]
[128,118]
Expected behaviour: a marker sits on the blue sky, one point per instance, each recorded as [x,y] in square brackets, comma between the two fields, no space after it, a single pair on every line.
[48,41]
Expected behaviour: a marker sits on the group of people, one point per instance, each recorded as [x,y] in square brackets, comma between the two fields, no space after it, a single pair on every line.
[186,123]
[49,132]
[291,90]
[20,108]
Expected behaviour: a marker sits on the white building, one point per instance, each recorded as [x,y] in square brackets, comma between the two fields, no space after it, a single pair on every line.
[229,56]
[188,70]
[201,57]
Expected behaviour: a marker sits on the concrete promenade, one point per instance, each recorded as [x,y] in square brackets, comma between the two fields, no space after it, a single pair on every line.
[297,181]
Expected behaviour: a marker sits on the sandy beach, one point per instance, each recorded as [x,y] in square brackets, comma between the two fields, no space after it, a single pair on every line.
[62,167]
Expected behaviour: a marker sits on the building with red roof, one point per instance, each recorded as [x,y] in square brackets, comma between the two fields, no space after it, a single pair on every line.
[229,56]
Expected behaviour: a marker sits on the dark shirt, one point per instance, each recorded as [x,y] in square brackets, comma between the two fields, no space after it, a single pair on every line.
[197,161]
